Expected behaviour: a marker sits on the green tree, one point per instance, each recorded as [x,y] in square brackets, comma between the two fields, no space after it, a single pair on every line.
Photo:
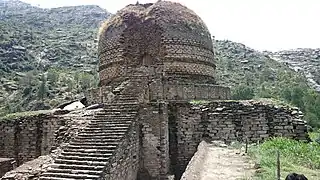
[264,92]
[85,81]
[243,92]
[42,90]
[52,76]
[285,93]
[297,95]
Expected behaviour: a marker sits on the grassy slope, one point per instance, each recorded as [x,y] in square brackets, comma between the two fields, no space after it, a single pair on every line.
[60,52]
[295,156]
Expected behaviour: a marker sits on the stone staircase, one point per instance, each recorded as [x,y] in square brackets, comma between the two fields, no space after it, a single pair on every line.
[87,155]
[133,93]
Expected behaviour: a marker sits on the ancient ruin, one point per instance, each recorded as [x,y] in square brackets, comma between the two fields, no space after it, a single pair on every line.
[160,99]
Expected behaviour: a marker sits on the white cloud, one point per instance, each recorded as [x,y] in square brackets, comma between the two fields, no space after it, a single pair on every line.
[263,24]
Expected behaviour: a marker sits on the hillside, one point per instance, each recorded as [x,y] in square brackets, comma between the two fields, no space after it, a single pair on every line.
[238,64]
[303,59]
[253,74]
[49,56]
[35,37]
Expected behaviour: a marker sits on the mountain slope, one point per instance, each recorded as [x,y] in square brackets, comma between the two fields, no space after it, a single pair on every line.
[303,59]
[252,74]
[36,37]
[48,56]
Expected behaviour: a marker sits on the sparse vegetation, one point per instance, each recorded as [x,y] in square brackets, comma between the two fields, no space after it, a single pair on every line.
[48,56]
[295,156]
[196,102]
[251,74]
[23,114]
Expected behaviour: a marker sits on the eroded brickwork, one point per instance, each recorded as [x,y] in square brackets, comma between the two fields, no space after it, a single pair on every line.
[228,121]
[6,164]
[154,141]
[124,163]
[165,35]
[27,138]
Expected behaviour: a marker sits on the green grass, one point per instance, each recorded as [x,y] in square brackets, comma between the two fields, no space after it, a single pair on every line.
[23,114]
[196,102]
[295,156]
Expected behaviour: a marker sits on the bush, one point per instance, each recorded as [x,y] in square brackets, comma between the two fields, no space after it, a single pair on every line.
[243,92]
[295,156]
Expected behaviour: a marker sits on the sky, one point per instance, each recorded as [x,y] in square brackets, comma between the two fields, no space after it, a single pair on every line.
[260,24]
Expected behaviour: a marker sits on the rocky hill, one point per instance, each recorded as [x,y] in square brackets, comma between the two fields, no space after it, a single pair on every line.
[35,37]
[302,60]
[238,64]
[48,56]
[253,74]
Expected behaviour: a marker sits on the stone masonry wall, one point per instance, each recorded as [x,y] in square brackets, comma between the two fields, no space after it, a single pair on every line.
[26,138]
[177,91]
[124,164]
[99,95]
[154,157]
[6,164]
[228,121]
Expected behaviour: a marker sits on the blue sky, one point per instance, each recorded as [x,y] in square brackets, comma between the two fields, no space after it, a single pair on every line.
[261,24]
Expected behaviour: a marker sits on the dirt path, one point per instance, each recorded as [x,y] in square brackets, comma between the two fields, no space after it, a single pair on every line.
[225,164]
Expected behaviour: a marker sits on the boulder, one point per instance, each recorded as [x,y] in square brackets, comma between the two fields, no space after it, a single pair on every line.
[74,106]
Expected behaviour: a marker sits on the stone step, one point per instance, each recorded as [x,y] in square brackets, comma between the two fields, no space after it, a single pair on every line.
[86,154]
[76,167]
[99,115]
[102,135]
[112,110]
[109,128]
[94,144]
[102,123]
[80,162]
[55,178]
[115,120]
[127,97]
[84,158]
[126,100]
[103,132]
[115,113]
[100,140]
[111,147]
[121,106]
[97,136]
[105,119]
[105,127]
[74,171]
[68,175]
[100,151]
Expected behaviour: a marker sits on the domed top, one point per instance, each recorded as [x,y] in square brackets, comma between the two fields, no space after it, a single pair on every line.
[164,33]
[166,14]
